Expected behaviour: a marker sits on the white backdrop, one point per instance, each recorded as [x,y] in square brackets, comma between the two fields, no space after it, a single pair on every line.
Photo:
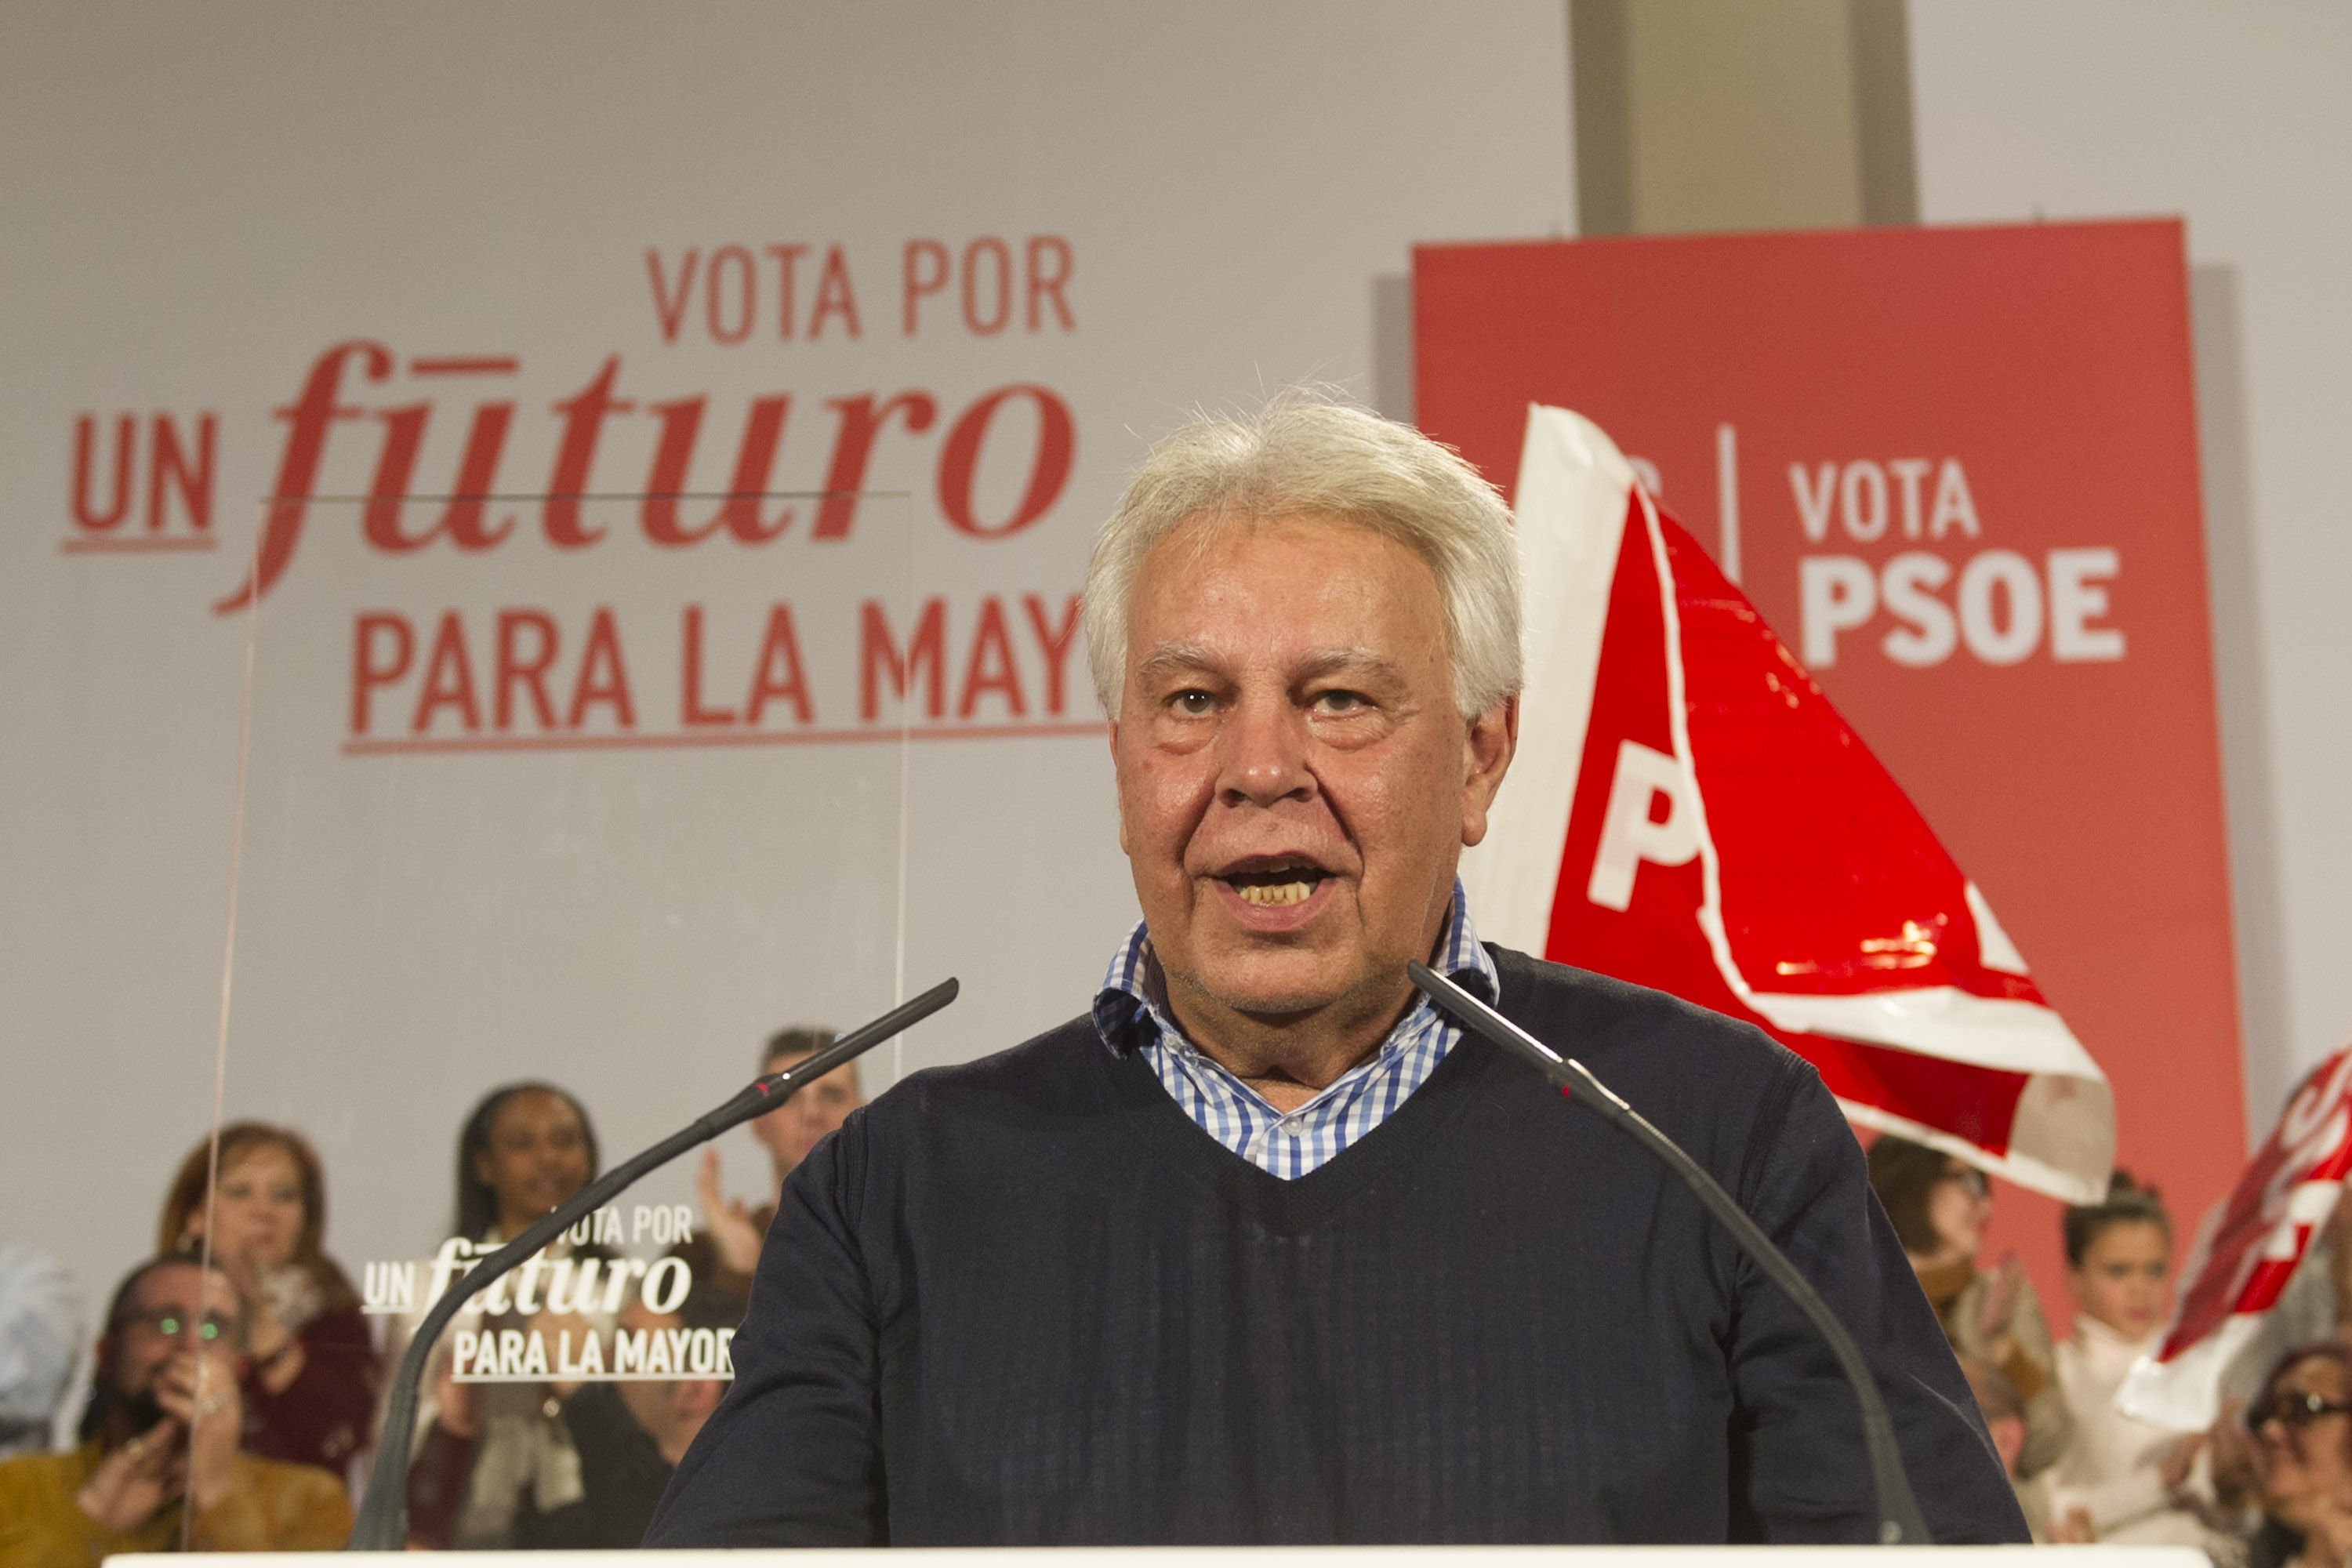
[201,200]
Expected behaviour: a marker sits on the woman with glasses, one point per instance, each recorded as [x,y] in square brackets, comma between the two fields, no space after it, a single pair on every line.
[2302,1429]
[311,1366]
[1939,1207]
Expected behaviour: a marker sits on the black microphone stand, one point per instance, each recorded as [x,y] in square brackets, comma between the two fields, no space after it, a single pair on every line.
[1899,1520]
[383,1523]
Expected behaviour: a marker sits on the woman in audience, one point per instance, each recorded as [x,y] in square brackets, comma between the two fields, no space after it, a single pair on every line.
[525,1149]
[2302,1430]
[494,1453]
[311,1371]
[1939,1207]
[2129,1480]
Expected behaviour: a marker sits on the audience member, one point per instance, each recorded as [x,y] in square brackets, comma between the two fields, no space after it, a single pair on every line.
[1939,1207]
[2129,1480]
[311,1367]
[728,1250]
[163,1434]
[2302,1429]
[490,1451]
[630,1436]
[2315,1305]
[39,1322]
[525,1149]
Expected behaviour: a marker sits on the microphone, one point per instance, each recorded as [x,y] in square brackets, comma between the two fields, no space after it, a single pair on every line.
[1899,1520]
[383,1523]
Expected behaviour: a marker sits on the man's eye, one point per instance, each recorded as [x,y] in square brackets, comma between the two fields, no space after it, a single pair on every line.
[1340,701]
[1193,704]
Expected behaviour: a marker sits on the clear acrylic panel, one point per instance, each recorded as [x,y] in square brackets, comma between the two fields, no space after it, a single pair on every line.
[528,800]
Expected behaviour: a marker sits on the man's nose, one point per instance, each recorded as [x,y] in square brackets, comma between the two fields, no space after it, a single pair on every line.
[1264,753]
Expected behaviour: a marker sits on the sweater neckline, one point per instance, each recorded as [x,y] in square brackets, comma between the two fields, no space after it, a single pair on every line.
[1290,1207]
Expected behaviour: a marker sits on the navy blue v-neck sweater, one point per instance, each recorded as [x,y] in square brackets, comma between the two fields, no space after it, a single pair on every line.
[1026,1301]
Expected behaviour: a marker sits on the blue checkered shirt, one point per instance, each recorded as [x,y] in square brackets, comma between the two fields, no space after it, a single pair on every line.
[1131,1013]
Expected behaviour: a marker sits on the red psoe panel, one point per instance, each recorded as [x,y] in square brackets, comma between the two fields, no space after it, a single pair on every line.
[1955,470]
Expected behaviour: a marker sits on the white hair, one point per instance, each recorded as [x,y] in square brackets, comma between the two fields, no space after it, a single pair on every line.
[1301,454]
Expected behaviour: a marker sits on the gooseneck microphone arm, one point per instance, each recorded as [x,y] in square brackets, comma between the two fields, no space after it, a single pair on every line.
[1899,1520]
[383,1524]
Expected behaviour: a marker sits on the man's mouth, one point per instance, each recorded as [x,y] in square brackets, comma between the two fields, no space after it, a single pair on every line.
[1281,882]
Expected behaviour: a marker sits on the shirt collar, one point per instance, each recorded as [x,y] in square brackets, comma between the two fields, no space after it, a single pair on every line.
[1131,1009]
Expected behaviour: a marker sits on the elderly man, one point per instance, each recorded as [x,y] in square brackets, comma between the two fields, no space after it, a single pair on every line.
[1262,1248]
[163,1434]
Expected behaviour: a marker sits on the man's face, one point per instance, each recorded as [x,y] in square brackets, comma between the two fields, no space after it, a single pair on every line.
[793,1128]
[1295,784]
[176,1311]
[670,1410]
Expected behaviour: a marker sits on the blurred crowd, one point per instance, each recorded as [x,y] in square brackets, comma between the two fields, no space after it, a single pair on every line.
[2268,1484]
[236,1390]
[236,1393]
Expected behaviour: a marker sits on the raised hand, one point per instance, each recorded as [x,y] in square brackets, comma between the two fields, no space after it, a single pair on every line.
[267,1339]
[733,1236]
[2000,1300]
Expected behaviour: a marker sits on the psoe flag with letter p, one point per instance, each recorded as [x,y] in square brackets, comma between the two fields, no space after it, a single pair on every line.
[2247,1249]
[1687,811]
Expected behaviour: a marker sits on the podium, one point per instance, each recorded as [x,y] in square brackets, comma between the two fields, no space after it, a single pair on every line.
[1246,1557]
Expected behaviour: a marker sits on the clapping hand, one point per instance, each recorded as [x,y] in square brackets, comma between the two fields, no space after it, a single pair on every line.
[1999,1305]
[2075,1529]
[138,1478]
[733,1236]
[198,1390]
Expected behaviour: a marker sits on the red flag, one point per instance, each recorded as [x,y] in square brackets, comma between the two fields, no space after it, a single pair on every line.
[1687,811]
[2246,1249]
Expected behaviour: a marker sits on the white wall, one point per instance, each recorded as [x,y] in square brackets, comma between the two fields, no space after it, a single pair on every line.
[2236,117]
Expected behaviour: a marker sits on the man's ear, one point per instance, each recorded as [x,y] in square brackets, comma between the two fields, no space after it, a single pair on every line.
[1491,740]
[1111,733]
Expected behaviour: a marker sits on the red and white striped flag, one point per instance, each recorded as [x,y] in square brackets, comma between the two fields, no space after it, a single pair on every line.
[1688,812]
[2245,1251]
